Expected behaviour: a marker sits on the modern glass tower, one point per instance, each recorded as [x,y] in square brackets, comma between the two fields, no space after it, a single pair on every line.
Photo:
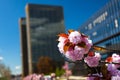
[103,27]
[44,23]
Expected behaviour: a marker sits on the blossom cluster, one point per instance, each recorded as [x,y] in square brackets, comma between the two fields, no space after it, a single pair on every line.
[111,72]
[32,77]
[113,68]
[40,77]
[115,58]
[76,45]
[93,61]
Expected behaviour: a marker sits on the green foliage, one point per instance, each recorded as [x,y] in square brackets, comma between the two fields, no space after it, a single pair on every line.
[59,71]
[3,78]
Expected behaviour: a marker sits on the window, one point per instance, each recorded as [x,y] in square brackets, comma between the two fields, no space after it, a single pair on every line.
[89,26]
[116,23]
[94,33]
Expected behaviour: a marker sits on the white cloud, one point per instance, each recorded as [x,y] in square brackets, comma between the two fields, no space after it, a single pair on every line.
[1,58]
[17,70]
[18,67]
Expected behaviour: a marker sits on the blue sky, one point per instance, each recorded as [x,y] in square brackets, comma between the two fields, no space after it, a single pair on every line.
[76,12]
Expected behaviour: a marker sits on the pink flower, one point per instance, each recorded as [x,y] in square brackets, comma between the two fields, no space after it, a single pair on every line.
[28,77]
[62,39]
[113,70]
[76,54]
[66,67]
[75,37]
[88,44]
[93,61]
[116,59]
[60,47]
[61,44]
[34,77]
[74,45]
[111,67]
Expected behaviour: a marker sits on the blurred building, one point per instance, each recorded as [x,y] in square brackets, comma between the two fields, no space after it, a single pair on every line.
[23,36]
[103,27]
[43,24]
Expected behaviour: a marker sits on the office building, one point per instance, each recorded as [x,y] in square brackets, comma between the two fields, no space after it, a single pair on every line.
[43,24]
[103,27]
[24,52]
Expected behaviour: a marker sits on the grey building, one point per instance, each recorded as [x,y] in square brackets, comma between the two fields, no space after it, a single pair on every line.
[43,24]
[103,27]
[24,51]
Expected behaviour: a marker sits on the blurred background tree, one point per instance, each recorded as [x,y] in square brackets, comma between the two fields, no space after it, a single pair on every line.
[5,73]
[45,65]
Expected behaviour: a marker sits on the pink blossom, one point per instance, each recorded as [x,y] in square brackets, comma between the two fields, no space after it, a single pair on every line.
[62,39]
[75,37]
[113,70]
[77,45]
[111,67]
[60,47]
[116,59]
[61,44]
[68,73]
[28,77]
[66,67]
[34,77]
[88,44]
[76,54]
[93,61]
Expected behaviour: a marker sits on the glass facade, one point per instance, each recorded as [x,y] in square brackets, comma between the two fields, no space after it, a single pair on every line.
[44,23]
[104,26]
